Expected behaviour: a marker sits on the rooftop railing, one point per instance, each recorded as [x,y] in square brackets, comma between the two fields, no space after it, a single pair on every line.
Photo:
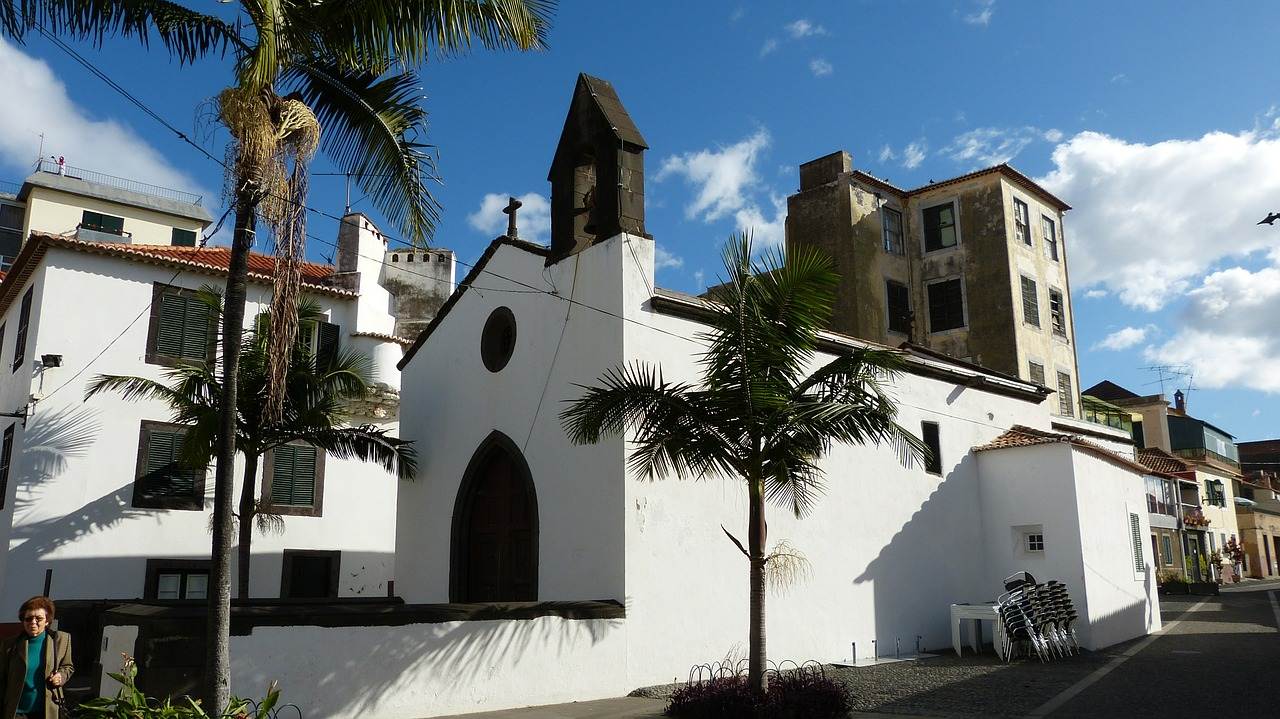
[122,183]
[1206,455]
[10,188]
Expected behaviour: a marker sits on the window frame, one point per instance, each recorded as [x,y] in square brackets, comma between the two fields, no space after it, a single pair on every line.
[317,493]
[286,567]
[1058,321]
[964,309]
[932,464]
[900,248]
[100,227]
[24,328]
[1034,300]
[153,355]
[1031,365]
[173,237]
[6,462]
[1068,395]
[141,500]
[1031,539]
[1166,549]
[888,306]
[185,567]
[1022,221]
[955,225]
[1136,544]
[1049,228]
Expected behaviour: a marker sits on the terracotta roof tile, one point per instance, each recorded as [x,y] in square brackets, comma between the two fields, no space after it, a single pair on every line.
[1161,461]
[1023,436]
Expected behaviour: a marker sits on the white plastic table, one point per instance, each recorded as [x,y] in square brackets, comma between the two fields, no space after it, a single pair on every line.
[973,615]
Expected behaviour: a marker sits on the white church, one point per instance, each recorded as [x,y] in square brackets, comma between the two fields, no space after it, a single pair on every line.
[529,570]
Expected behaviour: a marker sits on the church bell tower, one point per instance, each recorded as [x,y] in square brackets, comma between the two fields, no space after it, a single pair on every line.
[597,174]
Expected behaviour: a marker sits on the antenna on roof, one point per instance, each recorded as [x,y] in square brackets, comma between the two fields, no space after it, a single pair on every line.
[1167,372]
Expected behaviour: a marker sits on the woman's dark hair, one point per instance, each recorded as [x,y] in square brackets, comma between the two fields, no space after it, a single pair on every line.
[44,603]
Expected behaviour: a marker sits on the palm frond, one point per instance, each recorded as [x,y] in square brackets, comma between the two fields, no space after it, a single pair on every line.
[367,443]
[187,35]
[134,389]
[370,130]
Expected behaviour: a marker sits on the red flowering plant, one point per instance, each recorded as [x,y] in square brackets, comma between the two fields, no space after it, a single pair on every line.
[1195,518]
[1233,551]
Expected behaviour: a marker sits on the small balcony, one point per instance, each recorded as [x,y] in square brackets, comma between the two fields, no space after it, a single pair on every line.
[87,234]
[1200,454]
[1193,518]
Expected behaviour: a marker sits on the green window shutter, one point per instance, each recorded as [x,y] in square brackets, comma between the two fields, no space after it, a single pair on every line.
[24,319]
[6,454]
[195,329]
[184,329]
[326,345]
[183,238]
[173,309]
[293,475]
[163,476]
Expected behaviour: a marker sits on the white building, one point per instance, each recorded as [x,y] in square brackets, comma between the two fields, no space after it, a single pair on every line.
[83,507]
[538,571]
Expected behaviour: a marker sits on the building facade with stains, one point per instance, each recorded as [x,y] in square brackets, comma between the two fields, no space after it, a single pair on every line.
[973,267]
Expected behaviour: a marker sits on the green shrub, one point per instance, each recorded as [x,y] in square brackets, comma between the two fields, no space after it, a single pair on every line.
[792,695]
[131,703]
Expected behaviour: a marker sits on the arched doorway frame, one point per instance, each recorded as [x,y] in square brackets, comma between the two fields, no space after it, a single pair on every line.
[462,506]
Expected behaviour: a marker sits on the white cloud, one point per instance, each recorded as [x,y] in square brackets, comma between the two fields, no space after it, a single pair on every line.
[982,13]
[722,176]
[993,145]
[1053,135]
[769,46]
[533,220]
[887,154]
[700,279]
[1119,78]
[662,259]
[803,28]
[1125,338]
[766,231]
[914,154]
[1096,294]
[737,14]
[1151,218]
[820,67]
[36,101]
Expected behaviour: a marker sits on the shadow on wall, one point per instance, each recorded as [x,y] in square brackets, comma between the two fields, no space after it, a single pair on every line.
[928,565]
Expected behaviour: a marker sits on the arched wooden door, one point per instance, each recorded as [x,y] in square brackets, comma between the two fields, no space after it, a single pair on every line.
[495,537]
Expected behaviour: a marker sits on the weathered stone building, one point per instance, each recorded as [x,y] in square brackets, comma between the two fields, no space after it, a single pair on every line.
[973,267]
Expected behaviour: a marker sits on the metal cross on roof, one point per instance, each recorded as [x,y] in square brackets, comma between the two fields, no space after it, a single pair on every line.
[512,205]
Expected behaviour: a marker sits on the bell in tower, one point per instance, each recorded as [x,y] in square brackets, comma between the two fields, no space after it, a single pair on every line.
[597,174]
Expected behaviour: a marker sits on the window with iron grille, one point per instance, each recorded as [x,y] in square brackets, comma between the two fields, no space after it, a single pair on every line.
[899,301]
[24,322]
[1021,222]
[892,221]
[1035,542]
[1035,372]
[293,482]
[929,433]
[183,328]
[163,480]
[946,305]
[1057,313]
[1030,302]
[1050,237]
[1066,405]
[939,227]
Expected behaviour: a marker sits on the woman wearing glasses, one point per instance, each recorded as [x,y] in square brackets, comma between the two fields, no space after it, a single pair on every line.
[34,665]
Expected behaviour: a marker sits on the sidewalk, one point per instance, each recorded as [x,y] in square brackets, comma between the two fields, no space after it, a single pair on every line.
[624,708]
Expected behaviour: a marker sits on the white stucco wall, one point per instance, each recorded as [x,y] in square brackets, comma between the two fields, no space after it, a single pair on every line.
[74,465]
[59,213]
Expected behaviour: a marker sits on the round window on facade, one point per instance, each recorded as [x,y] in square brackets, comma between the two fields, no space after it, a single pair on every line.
[498,340]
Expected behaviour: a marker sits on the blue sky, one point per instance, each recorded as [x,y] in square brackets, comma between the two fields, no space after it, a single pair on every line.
[1156,121]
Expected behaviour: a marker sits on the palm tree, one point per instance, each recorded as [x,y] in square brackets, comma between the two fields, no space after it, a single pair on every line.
[344,64]
[758,413]
[318,392]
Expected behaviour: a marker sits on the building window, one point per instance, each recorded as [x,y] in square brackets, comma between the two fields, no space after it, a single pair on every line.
[1021,222]
[1166,545]
[939,227]
[1034,542]
[1035,372]
[929,433]
[183,238]
[498,339]
[1057,313]
[162,480]
[1066,405]
[183,328]
[316,339]
[6,456]
[1030,302]
[2,329]
[24,321]
[177,579]
[892,221]
[1050,238]
[293,480]
[1135,536]
[99,222]
[946,305]
[1216,494]
[899,301]
[309,574]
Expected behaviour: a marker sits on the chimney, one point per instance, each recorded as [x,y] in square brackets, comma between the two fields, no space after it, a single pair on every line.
[827,168]
[1180,401]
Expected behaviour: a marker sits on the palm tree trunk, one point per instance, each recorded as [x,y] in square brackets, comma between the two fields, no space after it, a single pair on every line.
[247,511]
[218,645]
[757,531]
